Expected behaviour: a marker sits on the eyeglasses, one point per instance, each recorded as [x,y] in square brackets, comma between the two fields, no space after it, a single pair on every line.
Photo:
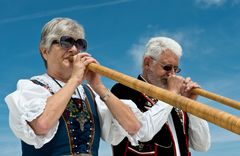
[168,67]
[67,42]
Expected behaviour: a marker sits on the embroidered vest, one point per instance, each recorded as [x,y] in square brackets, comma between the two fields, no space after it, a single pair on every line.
[78,131]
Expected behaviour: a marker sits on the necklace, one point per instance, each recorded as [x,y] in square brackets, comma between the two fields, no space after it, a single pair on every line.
[61,86]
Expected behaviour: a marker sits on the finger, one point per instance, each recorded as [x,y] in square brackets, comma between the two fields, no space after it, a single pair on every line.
[192,85]
[84,54]
[187,80]
[85,63]
[76,58]
[88,60]
[195,85]
[184,86]
[83,59]
[180,78]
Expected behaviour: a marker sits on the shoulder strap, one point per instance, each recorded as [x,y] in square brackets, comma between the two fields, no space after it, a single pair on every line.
[91,100]
[90,95]
[43,85]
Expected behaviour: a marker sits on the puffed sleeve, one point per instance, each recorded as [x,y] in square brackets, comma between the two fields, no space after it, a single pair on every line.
[199,135]
[152,120]
[26,104]
[113,133]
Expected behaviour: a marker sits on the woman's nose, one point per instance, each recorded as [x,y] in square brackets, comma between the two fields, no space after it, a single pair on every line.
[74,49]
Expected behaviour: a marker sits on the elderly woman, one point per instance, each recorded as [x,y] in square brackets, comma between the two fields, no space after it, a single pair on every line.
[54,114]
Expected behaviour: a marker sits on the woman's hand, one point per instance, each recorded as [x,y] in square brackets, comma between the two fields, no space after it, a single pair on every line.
[80,61]
[93,78]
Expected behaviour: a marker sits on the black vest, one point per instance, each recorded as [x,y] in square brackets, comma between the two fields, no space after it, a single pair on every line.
[162,143]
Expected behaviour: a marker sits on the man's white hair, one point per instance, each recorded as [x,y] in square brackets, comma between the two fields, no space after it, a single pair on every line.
[158,45]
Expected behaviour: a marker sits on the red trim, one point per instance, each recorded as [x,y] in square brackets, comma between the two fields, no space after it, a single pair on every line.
[185,132]
[156,150]
[148,99]
[126,148]
[127,144]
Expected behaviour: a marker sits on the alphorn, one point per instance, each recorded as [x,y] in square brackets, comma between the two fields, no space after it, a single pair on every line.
[213,115]
[218,98]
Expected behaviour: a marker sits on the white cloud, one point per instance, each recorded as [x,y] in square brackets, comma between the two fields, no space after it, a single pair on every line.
[235,2]
[137,50]
[65,10]
[184,37]
[216,3]
[208,3]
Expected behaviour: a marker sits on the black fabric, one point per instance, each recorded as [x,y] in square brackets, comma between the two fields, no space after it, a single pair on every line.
[162,142]
[48,148]
[52,148]
[180,133]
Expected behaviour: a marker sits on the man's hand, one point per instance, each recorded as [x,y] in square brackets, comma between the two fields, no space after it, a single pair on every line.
[175,83]
[188,85]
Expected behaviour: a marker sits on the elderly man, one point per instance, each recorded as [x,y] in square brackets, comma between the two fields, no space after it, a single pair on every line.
[180,130]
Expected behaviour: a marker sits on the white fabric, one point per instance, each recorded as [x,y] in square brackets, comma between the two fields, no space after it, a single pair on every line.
[199,134]
[29,100]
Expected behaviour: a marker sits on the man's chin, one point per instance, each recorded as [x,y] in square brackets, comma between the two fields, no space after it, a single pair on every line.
[163,83]
[164,86]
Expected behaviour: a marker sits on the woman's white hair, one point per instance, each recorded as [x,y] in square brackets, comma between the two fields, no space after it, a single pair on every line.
[57,27]
[157,45]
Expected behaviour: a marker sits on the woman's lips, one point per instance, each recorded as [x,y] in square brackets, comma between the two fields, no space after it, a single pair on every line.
[69,58]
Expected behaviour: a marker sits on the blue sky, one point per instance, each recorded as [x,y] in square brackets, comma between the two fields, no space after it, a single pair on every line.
[117,31]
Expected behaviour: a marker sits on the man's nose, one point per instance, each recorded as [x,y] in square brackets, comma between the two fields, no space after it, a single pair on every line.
[171,72]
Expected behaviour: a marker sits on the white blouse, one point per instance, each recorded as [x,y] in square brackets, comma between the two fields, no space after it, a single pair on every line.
[29,100]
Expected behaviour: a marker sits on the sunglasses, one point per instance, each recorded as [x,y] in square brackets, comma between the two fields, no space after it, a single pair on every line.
[67,42]
[168,67]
